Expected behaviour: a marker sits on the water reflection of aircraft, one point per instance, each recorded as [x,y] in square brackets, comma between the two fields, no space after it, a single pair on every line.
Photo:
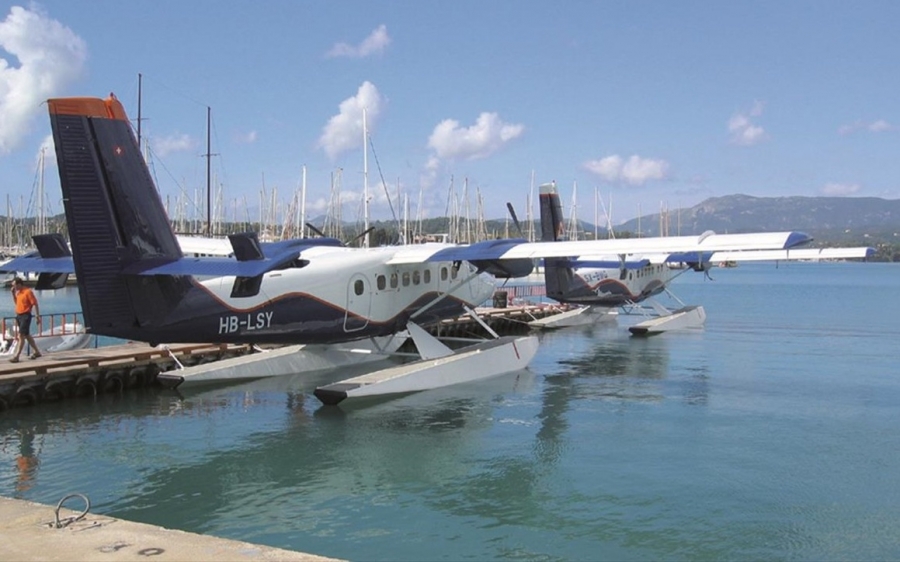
[602,283]
[311,462]
[135,282]
[265,462]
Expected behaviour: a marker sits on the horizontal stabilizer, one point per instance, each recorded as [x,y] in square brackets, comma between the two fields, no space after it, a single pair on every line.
[34,263]
[213,267]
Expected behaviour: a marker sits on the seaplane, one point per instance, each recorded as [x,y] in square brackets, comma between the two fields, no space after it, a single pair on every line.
[601,285]
[136,283]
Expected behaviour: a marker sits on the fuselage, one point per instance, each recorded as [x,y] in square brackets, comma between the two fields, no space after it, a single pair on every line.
[331,295]
[616,286]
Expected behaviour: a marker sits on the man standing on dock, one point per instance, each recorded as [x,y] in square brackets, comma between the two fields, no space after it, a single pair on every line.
[25,303]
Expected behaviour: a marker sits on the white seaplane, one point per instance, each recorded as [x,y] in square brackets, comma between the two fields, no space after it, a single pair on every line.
[136,283]
[601,284]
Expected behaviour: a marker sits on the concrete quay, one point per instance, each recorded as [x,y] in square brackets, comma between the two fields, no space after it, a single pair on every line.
[28,533]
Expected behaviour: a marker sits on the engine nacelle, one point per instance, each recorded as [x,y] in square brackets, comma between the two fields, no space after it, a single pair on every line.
[505,269]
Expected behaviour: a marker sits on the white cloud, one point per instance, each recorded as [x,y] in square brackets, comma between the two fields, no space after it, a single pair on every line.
[246,138]
[757,109]
[344,131]
[840,189]
[50,57]
[374,44]
[877,126]
[743,131]
[179,142]
[634,171]
[488,135]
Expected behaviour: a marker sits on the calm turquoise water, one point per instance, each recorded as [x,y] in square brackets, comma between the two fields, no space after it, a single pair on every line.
[770,434]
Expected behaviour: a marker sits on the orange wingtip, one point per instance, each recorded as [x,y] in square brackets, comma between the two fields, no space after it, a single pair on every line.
[110,108]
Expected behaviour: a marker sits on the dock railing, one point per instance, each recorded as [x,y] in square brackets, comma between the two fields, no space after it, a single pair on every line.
[50,325]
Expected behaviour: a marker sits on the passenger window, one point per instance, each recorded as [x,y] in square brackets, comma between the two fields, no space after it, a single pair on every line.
[358,286]
[381,282]
[406,279]
[393,281]
[454,272]
[427,276]
[417,277]
[443,274]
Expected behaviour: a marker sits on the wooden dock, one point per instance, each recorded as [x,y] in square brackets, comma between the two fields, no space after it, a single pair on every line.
[118,368]
[87,372]
[511,320]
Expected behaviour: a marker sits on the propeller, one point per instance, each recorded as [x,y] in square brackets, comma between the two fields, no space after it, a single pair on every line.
[512,213]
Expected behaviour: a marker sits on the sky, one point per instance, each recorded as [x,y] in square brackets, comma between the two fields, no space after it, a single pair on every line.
[639,104]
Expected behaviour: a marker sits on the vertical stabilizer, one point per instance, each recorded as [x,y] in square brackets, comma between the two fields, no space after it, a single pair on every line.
[114,214]
[560,280]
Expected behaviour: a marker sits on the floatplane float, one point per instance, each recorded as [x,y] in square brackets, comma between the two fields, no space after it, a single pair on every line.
[602,285]
[136,283]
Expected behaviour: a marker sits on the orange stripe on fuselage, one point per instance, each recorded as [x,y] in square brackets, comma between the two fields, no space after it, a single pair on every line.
[110,108]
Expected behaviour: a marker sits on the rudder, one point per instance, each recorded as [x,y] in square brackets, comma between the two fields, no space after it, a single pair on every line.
[114,214]
[559,279]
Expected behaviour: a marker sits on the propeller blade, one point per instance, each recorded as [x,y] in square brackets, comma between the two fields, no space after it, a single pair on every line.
[361,235]
[316,230]
[512,213]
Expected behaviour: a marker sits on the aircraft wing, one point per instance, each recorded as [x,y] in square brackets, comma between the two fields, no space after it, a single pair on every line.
[34,263]
[607,263]
[520,249]
[200,246]
[637,261]
[795,254]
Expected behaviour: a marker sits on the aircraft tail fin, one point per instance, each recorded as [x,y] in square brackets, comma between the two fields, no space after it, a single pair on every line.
[559,278]
[115,216]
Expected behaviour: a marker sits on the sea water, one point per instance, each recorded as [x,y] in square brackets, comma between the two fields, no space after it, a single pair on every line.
[771,433]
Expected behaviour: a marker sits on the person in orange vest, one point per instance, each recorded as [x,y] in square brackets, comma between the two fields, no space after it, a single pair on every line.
[25,303]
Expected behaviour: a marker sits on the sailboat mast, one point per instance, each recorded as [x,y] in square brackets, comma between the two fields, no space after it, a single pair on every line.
[530,207]
[365,180]
[140,80]
[42,227]
[302,224]
[208,159]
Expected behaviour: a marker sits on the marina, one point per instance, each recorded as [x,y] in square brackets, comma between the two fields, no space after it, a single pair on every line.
[767,434]
[325,334]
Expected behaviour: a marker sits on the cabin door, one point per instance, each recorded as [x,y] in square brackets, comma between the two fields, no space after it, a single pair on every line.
[359,303]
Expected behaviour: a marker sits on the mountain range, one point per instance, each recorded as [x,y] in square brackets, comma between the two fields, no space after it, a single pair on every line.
[825,218]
